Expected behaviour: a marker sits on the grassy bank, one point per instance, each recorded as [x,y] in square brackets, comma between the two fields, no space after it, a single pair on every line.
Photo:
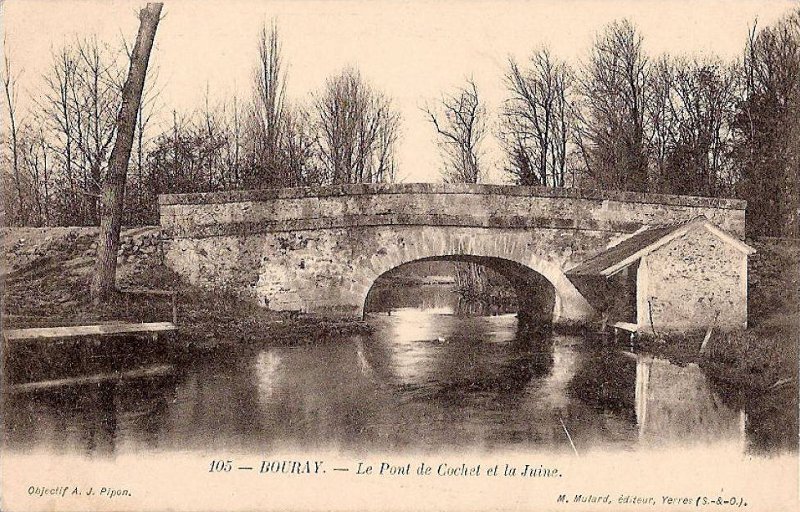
[45,283]
[759,359]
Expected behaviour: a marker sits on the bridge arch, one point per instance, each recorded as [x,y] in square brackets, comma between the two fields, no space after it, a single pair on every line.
[535,295]
[506,254]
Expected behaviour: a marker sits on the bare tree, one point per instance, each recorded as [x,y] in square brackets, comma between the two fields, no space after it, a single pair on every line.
[614,92]
[663,132]
[199,152]
[113,190]
[81,95]
[10,90]
[299,144]
[37,163]
[357,130]
[95,96]
[55,115]
[536,120]
[212,130]
[235,158]
[699,109]
[460,124]
[269,85]
[140,198]
[233,150]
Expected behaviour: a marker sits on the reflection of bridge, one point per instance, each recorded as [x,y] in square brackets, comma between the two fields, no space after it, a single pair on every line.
[321,249]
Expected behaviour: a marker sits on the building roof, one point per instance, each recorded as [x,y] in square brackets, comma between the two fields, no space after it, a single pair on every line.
[630,250]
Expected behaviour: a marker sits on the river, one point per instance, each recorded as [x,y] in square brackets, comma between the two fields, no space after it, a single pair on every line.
[425,379]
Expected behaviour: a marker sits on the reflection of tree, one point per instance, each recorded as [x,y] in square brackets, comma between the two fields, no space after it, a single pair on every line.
[96,416]
[532,358]
[93,419]
[481,284]
[388,295]
[772,415]
[772,421]
[142,410]
[48,361]
[494,304]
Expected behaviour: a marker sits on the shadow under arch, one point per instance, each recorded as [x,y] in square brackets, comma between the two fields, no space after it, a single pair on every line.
[536,295]
[419,244]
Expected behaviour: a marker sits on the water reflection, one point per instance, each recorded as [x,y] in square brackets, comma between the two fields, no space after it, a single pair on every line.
[385,298]
[416,347]
[676,404]
[94,420]
[425,379]
[670,404]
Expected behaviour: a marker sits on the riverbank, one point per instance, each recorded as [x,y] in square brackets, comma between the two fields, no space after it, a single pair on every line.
[45,278]
[754,369]
[766,352]
[756,360]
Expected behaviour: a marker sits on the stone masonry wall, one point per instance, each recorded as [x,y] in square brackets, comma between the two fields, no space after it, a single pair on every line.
[24,249]
[321,249]
[332,270]
[694,279]
[21,246]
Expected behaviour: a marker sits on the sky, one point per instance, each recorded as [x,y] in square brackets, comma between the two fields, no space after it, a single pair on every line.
[412,50]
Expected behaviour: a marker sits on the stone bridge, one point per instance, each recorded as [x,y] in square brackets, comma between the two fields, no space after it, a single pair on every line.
[320,249]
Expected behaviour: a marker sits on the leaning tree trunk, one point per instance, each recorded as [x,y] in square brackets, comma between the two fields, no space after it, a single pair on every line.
[112,196]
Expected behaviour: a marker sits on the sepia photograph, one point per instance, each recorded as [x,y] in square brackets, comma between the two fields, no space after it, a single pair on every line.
[399,255]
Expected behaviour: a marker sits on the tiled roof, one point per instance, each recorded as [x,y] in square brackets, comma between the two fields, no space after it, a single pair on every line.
[643,242]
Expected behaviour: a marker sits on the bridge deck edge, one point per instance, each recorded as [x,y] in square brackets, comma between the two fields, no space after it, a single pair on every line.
[234,196]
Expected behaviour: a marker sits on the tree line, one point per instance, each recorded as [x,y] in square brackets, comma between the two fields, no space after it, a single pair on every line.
[624,120]
[619,120]
[56,160]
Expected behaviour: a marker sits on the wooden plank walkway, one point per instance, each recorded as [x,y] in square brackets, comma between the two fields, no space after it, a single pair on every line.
[44,333]
[139,373]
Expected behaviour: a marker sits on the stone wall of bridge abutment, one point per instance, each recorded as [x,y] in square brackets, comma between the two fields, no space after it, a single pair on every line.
[321,249]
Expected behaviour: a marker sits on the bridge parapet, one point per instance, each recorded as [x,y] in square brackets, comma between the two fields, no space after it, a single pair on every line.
[464,205]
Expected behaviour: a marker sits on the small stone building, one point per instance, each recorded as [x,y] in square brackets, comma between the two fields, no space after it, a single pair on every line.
[679,277]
